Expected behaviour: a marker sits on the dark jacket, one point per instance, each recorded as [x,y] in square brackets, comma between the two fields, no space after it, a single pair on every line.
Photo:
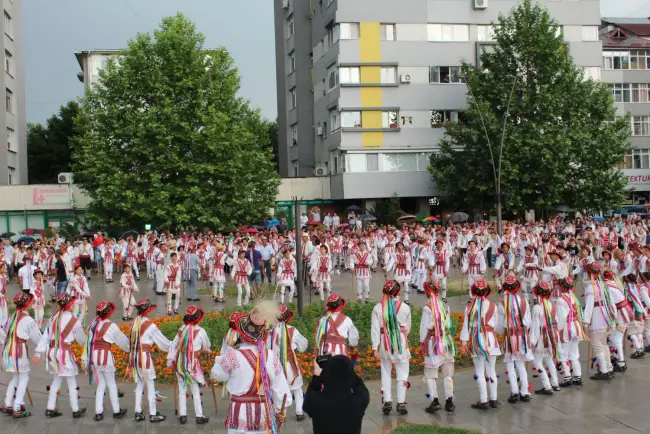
[337,399]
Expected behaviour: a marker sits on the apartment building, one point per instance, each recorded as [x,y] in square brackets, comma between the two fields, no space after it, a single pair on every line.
[13,160]
[365,86]
[626,70]
[91,62]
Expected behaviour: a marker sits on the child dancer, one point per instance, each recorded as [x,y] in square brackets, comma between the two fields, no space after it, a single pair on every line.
[239,274]
[321,272]
[286,274]
[38,290]
[572,333]
[127,288]
[219,274]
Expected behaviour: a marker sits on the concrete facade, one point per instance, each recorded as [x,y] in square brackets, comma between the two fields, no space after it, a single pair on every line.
[626,70]
[13,160]
[91,62]
[382,83]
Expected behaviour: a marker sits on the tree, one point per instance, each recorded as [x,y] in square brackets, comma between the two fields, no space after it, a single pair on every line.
[274,135]
[165,140]
[48,147]
[386,210]
[534,128]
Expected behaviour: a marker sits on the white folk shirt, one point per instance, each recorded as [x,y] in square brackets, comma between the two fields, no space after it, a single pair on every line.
[474,263]
[299,344]
[234,368]
[537,330]
[200,342]
[345,330]
[431,359]
[172,276]
[127,285]
[69,366]
[362,263]
[286,271]
[439,262]
[151,336]
[529,266]
[79,288]
[103,360]
[27,329]
[86,251]
[378,333]
[488,336]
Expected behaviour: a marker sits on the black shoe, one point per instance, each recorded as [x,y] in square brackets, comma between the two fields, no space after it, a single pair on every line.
[197,299]
[79,413]
[434,406]
[189,299]
[182,420]
[544,391]
[169,313]
[577,381]
[567,382]
[202,420]
[157,418]
[7,410]
[449,405]
[647,349]
[401,408]
[52,413]
[556,388]
[123,318]
[88,278]
[19,414]
[599,376]
[494,403]
[120,394]
[525,398]
[387,407]
[120,414]
[610,375]
[637,354]
[481,406]
[514,397]
[300,417]
[98,417]
[175,311]
[138,417]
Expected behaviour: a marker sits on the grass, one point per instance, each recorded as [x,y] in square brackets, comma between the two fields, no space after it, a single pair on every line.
[428,429]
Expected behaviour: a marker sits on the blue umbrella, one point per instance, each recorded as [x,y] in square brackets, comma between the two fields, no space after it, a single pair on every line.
[26,240]
[636,209]
[353,208]
[272,223]
[598,219]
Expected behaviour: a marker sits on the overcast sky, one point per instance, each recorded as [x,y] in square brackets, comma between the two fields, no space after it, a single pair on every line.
[55,29]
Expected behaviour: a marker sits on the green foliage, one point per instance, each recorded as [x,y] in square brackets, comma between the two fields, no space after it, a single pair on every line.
[164,139]
[386,210]
[558,147]
[48,147]
[274,137]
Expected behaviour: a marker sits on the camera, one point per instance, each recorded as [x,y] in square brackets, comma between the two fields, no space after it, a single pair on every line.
[322,359]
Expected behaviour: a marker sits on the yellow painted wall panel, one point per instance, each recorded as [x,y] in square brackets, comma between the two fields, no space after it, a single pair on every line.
[372,140]
[370,51]
[371,119]
[369,42]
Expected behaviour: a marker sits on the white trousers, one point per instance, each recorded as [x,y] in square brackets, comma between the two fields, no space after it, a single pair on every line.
[527,289]
[160,281]
[247,287]
[600,350]
[486,369]
[571,353]
[128,303]
[430,375]
[540,363]
[182,397]
[298,399]
[16,388]
[420,276]
[72,392]
[151,394]
[616,338]
[108,271]
[292,289]
[363,288]
[173,299]
[406,290]
[79,311]
[217,289]
[646,331]
[322,286]
[151,269]
[402,376]
[517,368]
[106,380]
[39,312]
[637,340]
[4,315]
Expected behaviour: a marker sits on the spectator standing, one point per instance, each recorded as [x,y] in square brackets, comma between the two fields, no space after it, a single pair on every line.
[9,258]
[195,266]
[255,278]
[62,272]
[266,250]
[336,221]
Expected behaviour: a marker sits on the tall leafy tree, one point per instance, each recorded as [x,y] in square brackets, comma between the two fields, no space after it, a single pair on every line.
[48,146]
[165,139]
[533,125]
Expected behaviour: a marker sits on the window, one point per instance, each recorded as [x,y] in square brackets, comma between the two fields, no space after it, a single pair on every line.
[9,97]
[589,33]
[294,100]
[8,26]
[355,163]
[591,72]
[335,120]
[637,159]
[423,161]
[389,119]
[351,119]
[445,74]
[292,62]
[349,75]
[620,92]
[447,32]
[330,37]
[9,67]
[389,74]
[440,117]
[639,59]
[10,139]
[290,26]
[640,92]
[349,30]
[641,125]
[294,134]
[387,32]
[372,162]
[332,77]
[485,33]
[386,162]
[559,32]
[12,174]
[620,59]
[296,171]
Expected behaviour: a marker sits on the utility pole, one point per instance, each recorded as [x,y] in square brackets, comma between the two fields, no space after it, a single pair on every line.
[301,281]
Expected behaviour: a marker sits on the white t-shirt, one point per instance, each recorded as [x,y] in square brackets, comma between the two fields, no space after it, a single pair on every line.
[26,273]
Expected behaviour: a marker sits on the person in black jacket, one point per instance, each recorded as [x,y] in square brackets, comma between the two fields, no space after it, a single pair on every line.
[336,399]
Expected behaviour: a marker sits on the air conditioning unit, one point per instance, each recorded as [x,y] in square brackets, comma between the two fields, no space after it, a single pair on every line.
[405,78]
[320,171]
[319,131]
[480,4]
[285,4]
[65,178]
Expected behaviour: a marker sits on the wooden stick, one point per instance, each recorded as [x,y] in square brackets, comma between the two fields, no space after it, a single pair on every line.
[284,403]
[29,396]
[214,398]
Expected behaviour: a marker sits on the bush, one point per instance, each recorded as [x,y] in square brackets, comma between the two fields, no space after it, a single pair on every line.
[216,325]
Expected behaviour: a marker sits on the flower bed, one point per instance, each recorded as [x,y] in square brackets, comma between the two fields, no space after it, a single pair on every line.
[216,324]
